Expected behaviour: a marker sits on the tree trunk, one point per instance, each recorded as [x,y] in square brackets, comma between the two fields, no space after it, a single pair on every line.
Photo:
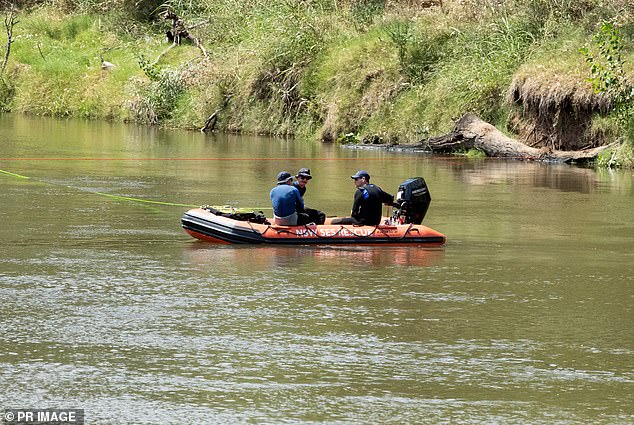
[471,132]
[179,31]
[9,22]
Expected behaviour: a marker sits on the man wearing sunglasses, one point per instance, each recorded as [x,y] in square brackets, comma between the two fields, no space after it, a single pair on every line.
[311,215]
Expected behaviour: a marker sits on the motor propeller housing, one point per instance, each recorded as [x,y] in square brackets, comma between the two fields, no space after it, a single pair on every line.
[412,201]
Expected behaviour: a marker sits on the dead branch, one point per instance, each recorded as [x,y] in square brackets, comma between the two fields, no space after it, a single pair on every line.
[10,21]
[210,123]
[39,49]
[179,31]
[158,58]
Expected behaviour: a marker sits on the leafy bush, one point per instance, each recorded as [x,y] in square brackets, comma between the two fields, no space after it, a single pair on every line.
[156,101]
[7,93]
[608,73]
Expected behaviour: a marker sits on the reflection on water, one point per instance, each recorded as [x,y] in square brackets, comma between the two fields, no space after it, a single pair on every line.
[256,257]
[550,176]
[108,305]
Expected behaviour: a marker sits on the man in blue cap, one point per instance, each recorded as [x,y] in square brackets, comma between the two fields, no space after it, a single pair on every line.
[286,200]
[368,199]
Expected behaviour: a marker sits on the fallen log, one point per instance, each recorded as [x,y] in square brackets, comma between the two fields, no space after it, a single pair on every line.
[470,132]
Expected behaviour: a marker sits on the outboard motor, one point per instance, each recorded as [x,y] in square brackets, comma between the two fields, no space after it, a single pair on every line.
[412,201]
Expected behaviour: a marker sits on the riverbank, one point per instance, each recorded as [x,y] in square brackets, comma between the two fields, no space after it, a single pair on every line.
[334,71]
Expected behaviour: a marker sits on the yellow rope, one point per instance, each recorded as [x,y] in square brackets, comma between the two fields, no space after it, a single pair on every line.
[14,175]
[147,201]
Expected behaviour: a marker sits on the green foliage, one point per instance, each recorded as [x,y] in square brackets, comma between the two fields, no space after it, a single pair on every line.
[151,70]
[276,43]
[184,8]
[146,10]
[424,58]
[157,101]
[349,139]
[472,153]
[7,93]
[363,12]
[477,70]
[419,52]
[621,156]
[626,155]
[66,30]
[608,73]
[142,10]
[400,34]
[608,159]
[561,10]
[165,93]
[629,132]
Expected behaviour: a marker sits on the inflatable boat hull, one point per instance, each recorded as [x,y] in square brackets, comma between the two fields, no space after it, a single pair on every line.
[204,225]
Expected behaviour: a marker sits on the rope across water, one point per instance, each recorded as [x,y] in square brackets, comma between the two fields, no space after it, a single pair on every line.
[124,198]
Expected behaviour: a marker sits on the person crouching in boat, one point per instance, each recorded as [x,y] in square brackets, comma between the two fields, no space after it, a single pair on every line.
[311,215]
[368,199]
[286,200]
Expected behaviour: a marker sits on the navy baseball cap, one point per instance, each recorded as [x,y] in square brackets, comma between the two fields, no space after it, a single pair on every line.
[283,177]
[361,173]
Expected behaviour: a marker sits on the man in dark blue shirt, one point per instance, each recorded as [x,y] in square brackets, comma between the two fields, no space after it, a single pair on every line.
[286,200]
[368,202]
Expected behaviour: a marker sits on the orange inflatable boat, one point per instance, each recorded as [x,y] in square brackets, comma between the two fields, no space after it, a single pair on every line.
[206,225]
[404,227]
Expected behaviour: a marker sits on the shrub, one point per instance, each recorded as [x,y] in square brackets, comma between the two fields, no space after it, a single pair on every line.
[7,93]
[608,73]
[156,100]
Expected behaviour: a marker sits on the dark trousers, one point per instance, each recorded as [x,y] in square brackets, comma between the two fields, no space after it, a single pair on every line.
[345,220]
[311,216]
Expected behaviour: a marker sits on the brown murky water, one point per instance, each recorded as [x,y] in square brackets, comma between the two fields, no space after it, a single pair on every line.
[525,316]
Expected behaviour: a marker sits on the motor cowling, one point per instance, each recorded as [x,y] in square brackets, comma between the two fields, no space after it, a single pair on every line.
[412,201]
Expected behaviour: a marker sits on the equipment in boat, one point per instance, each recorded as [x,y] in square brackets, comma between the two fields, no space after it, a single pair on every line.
[412,201]
[403,227]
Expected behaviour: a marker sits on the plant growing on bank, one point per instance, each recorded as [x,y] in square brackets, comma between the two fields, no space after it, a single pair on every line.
[7,89]
[364,12]
[418,53]
[151,70]
[608,75]
[157,100]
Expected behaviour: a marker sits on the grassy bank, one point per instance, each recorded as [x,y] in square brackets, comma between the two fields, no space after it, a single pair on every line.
[390,71]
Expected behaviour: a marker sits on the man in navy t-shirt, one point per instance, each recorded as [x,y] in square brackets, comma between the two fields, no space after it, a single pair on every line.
[286,200]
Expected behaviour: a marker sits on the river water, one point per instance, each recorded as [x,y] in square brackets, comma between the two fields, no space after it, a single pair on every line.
[525,315]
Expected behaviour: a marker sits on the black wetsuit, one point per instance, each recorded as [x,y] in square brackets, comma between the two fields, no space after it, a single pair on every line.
[368,204]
